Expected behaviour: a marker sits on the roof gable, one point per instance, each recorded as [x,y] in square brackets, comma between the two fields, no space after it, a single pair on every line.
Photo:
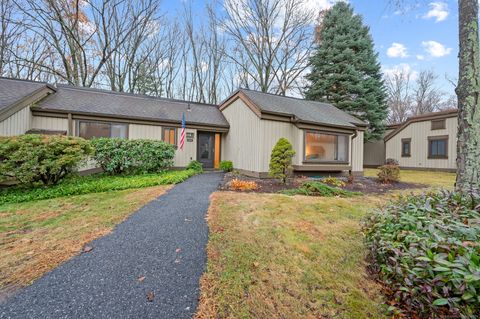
[421,118]
[294,110]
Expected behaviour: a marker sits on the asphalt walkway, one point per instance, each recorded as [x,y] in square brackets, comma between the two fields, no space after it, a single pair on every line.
[148,267]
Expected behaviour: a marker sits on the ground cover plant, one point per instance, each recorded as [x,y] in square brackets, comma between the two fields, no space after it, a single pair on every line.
[226,166]
[45,159]
[315,188]
[195,166]
[426,250]
[37,236]
[92,184]
[119,155]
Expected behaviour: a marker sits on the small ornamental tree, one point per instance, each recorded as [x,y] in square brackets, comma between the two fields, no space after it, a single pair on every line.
[281,160]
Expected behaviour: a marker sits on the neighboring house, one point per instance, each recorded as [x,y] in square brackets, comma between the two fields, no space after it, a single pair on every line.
[427,141]
[243,129]
[374,151]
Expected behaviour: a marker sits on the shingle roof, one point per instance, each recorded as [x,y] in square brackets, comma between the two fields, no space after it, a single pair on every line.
[13,91]
[304,110]
[108,103]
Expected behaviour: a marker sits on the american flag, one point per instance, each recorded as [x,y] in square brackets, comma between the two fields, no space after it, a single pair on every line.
[182,133]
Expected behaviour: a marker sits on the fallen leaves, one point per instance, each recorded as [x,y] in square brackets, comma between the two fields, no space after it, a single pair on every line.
[141,278]
[150,296]
[87,249]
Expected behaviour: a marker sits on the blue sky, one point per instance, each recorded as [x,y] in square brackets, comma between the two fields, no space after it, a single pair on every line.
[422,36]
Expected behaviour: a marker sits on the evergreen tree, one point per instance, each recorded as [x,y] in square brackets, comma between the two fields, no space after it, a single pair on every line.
[281,160]
[345,69]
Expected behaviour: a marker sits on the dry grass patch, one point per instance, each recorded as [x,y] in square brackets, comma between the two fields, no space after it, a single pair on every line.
[36,237]
[433,179]
[276,256]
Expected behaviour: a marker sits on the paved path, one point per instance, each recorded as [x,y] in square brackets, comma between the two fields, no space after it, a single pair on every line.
[104,283]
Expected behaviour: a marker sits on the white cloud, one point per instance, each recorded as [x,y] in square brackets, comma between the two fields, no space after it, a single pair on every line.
[318,5]
[436,49]
[403,69]
[420,57]
[397,50]
[438,11]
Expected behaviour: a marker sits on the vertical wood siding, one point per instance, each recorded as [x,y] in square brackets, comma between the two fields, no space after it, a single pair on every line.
[249,141]
[419,133]
[49,123]
[16,124]
[356,154]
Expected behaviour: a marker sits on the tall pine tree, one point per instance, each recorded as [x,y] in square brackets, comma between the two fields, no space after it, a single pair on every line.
[345,69]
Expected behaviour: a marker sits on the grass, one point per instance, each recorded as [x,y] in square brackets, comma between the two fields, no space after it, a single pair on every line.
[92,184]
[277,256]
[37,236]
[432,179]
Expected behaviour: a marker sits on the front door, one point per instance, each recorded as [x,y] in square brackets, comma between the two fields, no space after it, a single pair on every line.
[206,149]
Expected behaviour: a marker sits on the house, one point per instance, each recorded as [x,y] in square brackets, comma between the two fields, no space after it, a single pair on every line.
[427,141]
[243,128]
[374,150]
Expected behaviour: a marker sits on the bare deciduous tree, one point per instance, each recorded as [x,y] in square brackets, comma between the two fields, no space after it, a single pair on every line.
[427,96]
[270,41]
[398,95]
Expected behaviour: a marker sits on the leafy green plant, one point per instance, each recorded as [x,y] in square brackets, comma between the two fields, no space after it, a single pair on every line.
[426,250]
[281,160]
[333,181]
[196,166]
[314,188]
[389,173]
[226,166]
[117,155]
[35,158]
[92,184]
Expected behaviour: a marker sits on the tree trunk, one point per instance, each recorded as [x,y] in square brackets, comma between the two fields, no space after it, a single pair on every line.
[468,91]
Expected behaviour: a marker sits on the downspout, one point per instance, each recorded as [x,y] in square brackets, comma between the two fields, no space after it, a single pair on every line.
[70,125]
[351,153]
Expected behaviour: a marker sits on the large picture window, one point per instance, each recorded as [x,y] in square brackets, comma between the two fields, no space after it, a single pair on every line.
[90,130]
[438,147]
[326,147]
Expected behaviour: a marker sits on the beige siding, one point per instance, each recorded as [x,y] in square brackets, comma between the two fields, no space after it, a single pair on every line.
[150,132]
[419,133]
[250,140]
[154,132]
[49,123]
[356,154]
[16,124]
[374,153]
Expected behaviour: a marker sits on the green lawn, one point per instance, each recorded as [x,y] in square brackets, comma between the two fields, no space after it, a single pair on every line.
[433,179]
[37,236]
[277,256]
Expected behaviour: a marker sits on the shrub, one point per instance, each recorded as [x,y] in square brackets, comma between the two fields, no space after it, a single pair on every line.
[117,155]
[226,166]
[333,181]
[389,174]
[281,160]
[239,185]
[35,158]
[196,166]
[92,184]
[313,188]
[426,249]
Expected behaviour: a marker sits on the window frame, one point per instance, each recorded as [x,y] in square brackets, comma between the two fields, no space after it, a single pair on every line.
[127,131]
[164,128]
[437,138]
[409,141]
[442,127]
[309,161]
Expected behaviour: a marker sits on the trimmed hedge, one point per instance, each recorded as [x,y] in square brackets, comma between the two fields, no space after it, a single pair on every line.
[118,155]
[36,158]
[426,250]
[92,184]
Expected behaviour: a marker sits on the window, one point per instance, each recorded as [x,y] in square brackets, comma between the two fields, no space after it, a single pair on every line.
[438,124]
[406,147]
[90,130]
[169,135]
[323,147]
[438,147]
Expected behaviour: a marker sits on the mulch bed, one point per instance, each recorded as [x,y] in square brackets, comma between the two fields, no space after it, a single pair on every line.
[365,185]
